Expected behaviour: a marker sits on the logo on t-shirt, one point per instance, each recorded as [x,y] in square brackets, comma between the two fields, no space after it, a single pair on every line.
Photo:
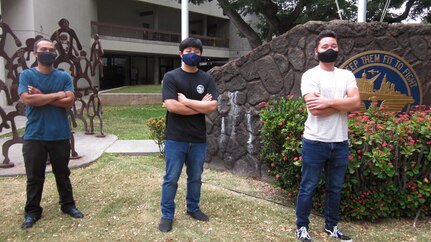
[385,78]
[200,89]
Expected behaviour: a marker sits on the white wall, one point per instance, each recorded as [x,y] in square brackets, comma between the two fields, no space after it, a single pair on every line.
[18,14]
[79,13]
[208,8]
[28,18]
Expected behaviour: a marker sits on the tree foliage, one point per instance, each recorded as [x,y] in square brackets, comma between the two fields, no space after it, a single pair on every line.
[275,17]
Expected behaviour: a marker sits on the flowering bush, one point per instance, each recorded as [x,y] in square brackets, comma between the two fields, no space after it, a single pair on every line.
[282,124]
[389,168]
[157,131]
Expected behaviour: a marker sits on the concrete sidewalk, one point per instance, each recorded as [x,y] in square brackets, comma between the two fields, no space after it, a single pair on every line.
[89,149]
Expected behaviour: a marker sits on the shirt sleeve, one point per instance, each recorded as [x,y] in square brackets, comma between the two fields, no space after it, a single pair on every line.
[169,90]
[24,81]
[68,83]
[351,81]
[212,89]
[308,84]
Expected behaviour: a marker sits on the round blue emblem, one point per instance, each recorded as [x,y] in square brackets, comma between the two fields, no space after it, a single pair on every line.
[385,78]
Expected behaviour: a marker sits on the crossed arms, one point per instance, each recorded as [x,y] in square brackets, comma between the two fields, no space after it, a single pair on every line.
[185,106]
[321,106]
[34,97]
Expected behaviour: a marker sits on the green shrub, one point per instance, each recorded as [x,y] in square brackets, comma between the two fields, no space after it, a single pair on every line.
[157,131]
[389,168]
[282,124]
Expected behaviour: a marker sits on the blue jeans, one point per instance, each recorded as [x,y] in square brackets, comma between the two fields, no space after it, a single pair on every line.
[176,154]
[332,157]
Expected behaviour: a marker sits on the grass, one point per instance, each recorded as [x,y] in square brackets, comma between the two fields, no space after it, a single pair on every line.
[157,88]
[127,122]
[120,196]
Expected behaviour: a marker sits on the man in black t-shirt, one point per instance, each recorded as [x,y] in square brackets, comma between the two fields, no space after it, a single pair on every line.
[188,94]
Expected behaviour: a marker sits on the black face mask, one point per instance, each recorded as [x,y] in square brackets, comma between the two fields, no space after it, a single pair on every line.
[46,58]
[327,56]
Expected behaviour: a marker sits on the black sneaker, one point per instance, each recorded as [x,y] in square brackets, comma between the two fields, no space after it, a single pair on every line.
[29,220]
[165,225]
[198,215]
[73,212]
[336,233]
[302,234]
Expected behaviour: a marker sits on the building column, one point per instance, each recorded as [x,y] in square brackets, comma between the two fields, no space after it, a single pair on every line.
[205,26]
[156,70]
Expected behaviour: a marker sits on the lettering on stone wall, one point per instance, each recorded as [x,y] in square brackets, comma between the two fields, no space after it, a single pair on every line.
[385,78]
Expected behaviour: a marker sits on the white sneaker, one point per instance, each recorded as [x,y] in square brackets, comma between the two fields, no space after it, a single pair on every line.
[302,234]
[336,233]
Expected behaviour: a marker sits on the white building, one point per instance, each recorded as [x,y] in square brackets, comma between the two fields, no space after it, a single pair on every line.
[140,37]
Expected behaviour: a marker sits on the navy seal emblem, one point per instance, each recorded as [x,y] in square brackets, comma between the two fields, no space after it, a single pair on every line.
[385,78]
[200,89]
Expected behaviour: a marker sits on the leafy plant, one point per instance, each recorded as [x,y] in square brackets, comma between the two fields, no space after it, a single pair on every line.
[389,168]
[282,124]
[157,131]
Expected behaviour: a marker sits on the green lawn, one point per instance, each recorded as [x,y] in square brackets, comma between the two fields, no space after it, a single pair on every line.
[127,122]
[120,197]
[139,89]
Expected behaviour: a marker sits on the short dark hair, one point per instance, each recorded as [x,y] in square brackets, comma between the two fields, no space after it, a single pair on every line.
[325,33]
[191,42]
[38,41]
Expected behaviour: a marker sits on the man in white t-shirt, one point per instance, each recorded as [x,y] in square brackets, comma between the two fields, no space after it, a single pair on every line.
[329,94]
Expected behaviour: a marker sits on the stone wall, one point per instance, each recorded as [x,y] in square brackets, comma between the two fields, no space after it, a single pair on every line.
[274,70]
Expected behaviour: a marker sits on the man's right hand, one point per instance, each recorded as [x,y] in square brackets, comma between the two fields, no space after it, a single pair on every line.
[33,90]
[207,97]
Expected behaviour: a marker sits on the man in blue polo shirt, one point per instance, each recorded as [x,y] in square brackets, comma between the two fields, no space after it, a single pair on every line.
[47,93]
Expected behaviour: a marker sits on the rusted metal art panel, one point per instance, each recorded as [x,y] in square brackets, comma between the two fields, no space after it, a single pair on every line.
[69,54]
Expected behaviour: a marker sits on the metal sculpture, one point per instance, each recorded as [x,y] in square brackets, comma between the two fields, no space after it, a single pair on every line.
[16,139]
[94,109]
[78,111]
[69,52]
[6,30]
[96,56]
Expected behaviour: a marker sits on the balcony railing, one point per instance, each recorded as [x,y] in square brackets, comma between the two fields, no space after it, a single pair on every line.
[116,30]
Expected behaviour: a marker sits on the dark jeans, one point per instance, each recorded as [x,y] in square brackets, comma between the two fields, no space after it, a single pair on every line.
[176,154]
[332,157]
[35,157]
